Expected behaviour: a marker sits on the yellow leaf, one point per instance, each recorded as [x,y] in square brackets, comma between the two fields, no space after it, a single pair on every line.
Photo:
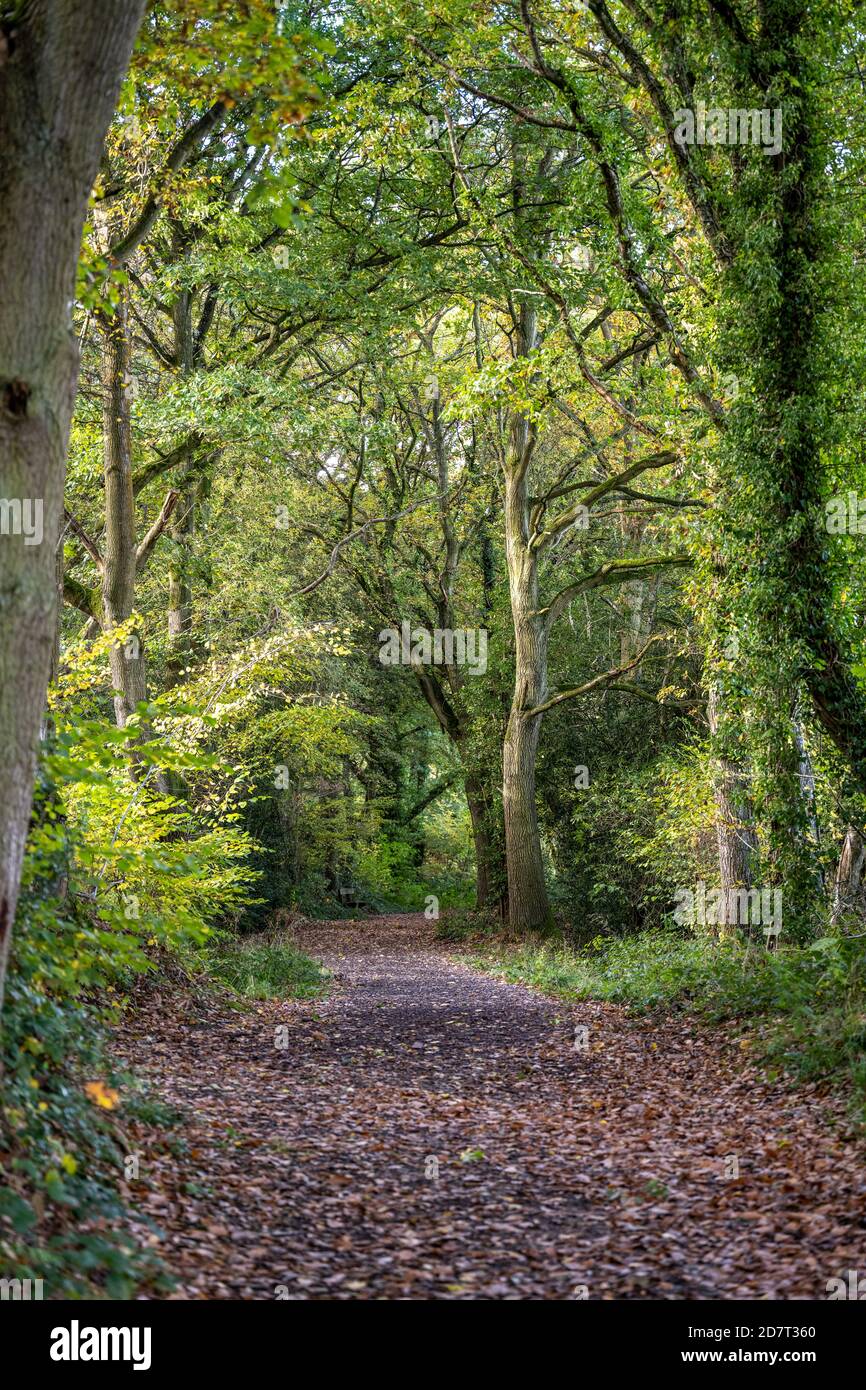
[102,1095]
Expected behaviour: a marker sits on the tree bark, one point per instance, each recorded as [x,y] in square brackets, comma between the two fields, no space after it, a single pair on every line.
[490,872]
[183,521]
[61,64]
[776,437]
[444,695]
[528,906]
[735,831]
[807,781]
[848,889]
[127,659]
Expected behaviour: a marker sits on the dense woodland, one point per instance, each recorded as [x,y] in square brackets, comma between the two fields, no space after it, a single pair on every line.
[463,515]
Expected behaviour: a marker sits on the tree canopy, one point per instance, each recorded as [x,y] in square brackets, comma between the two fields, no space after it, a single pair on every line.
[458,510]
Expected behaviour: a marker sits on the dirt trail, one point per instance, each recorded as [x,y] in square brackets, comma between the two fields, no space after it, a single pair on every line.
[429,1132]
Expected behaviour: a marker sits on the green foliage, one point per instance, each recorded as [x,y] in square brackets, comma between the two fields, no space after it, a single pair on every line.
[62,1148]
[386,868]
[115,874]
[326,315]
[266,969]
[469,925]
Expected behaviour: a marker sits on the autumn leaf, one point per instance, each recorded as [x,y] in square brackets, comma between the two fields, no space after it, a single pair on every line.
[102,1095]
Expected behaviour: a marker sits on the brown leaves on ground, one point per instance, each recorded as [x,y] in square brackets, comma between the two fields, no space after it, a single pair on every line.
[429,1132]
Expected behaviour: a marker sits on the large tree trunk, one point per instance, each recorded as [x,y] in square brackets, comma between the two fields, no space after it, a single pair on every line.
[528,907]
[772,449]
[489,872]
[61,64]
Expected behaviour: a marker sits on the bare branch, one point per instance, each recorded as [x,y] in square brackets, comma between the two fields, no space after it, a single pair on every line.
[163,463]
[77,595]
[435,791]
[629,688]
[628,257]
[567,518]
[684,157]
[532,117]
[346,540]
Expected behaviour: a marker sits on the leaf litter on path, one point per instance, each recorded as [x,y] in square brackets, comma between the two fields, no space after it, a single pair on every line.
[429,1132]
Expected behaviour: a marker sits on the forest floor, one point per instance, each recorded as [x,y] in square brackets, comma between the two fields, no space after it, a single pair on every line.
[429,1132]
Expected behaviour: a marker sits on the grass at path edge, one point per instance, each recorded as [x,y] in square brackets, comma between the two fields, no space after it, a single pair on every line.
[805,1008]
[257,968]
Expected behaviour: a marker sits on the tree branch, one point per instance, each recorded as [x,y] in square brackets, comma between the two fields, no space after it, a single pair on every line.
[186,146]
[77,595]
[628,257]
[435,791]
[629,688]
[87,541]
[604,678]
[345,540]
[522,111]
[570,515]
[163,463]
[143,553]
[613,572]
[683,156]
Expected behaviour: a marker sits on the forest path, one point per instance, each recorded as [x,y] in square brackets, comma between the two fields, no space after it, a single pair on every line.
[430,1132]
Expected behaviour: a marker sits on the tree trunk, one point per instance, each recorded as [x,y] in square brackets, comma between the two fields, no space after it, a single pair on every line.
[183,520]
[735,832]
[179,590]
[528,907]
[774,443]
[61,64]
[127,660]
[489,863]
[848,890]
[807,781]
[489,870]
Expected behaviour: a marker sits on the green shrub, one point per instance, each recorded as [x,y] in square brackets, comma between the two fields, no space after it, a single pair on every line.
[116,872]
[471,925]
[258,969]
[62,1151]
